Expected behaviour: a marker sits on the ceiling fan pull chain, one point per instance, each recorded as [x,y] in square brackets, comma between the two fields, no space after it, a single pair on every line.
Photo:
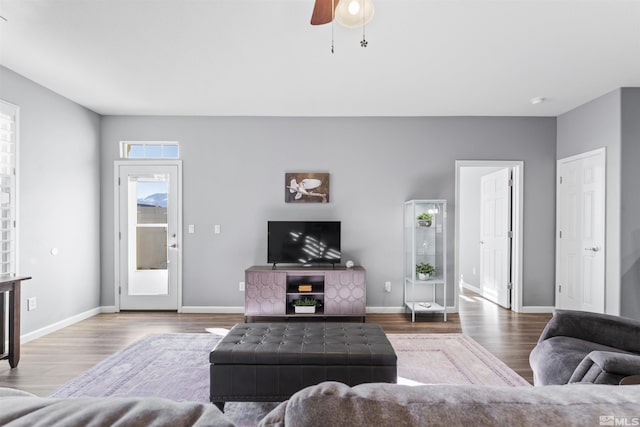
[333,20]
[364,41]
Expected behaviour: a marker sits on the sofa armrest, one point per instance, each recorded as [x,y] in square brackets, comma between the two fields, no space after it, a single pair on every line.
[613,331]
[606,367]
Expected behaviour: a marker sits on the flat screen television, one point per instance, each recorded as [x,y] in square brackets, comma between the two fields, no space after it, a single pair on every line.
[303,242]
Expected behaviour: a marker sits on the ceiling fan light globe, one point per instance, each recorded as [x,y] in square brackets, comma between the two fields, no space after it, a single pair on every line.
[346,18]
[354,7]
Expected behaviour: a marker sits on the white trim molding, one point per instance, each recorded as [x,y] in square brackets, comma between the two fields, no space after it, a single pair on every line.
[400,309]
[383,310]
[211,309]
[38,333]
[536,309]
[517,225]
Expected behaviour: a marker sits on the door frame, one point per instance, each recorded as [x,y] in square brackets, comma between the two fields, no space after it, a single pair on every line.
[596,152]
[517,225]
[116,233]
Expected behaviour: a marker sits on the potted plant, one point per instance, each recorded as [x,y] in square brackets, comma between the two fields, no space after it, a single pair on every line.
[424,219]
[305,305]
[424,270]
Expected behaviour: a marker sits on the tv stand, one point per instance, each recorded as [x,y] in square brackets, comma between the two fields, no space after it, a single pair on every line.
[270,292]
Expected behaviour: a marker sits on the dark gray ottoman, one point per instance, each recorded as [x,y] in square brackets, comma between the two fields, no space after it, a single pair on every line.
[268,362]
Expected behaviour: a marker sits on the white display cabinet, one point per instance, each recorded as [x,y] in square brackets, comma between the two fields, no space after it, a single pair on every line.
[425,251]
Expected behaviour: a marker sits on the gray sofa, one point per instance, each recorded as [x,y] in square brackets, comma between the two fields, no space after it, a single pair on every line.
[335,404]
[22,409]
[577,346]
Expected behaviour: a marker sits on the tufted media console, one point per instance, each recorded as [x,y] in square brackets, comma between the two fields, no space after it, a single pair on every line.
[268,362]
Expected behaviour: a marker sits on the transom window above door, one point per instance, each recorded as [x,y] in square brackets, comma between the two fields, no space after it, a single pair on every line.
[149,150]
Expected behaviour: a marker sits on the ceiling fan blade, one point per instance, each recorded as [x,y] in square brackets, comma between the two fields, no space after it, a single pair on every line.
[322,13]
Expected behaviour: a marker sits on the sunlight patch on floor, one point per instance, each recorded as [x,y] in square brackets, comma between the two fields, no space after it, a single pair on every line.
[468,299]
[218,331]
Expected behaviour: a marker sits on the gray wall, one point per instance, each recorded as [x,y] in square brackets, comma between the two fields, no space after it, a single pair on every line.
[59,205]
[630,197]
[613,121]
[588,127]
[234,176]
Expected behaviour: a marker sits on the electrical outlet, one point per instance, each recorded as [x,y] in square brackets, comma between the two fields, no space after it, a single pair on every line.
[387,286]
[241,286]
[31,303]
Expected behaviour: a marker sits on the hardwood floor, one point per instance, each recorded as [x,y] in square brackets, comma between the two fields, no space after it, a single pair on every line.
[48,362]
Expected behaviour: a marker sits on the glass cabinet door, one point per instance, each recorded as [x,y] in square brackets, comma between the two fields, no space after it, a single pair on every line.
[424,256]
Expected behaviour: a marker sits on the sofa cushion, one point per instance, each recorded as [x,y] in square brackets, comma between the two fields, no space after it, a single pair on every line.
[20,409]
[335,404]
[555,359]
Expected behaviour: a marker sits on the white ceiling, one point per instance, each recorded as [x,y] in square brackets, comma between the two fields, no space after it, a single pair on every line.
[263,58]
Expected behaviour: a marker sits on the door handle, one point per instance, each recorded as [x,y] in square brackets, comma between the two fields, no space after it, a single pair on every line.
[593,249]
[175,245]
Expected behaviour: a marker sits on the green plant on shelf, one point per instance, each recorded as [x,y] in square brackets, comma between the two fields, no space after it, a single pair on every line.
[425,216]
[425,268]
[305,302]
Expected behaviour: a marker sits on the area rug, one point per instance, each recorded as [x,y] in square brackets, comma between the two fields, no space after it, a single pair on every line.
[176,366]
[449,359]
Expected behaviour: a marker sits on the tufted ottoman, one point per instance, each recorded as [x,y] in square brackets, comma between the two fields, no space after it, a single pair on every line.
[268,362]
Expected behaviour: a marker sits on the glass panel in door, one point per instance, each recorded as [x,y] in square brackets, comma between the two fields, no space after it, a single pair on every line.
[148,237]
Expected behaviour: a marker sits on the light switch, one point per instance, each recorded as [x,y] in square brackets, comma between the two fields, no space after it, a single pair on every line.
[216,229]
[192,228]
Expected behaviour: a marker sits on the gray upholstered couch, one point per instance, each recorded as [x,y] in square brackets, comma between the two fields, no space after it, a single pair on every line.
[22,409]
[335,404]
[578,346]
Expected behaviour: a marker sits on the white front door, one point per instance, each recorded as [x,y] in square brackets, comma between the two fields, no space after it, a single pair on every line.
[148,241]
[580,219]
[495,240]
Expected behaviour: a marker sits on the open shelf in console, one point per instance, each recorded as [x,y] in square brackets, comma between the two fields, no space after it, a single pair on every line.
[300,286]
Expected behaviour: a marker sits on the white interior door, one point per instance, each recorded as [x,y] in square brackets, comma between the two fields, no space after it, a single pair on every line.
[148,241]
[580,217]
[495,240]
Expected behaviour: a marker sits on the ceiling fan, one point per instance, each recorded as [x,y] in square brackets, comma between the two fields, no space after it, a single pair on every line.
[348,13]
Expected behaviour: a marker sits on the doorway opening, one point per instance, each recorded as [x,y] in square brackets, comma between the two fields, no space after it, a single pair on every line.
[488,231]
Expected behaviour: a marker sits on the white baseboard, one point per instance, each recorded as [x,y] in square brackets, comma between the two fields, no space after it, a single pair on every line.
[59,325]
[536,309]
[211,309]
[471,287]
[222,310]
[382,310]
[400,309]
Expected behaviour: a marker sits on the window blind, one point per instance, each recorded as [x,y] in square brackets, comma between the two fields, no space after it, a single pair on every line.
[8,150]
